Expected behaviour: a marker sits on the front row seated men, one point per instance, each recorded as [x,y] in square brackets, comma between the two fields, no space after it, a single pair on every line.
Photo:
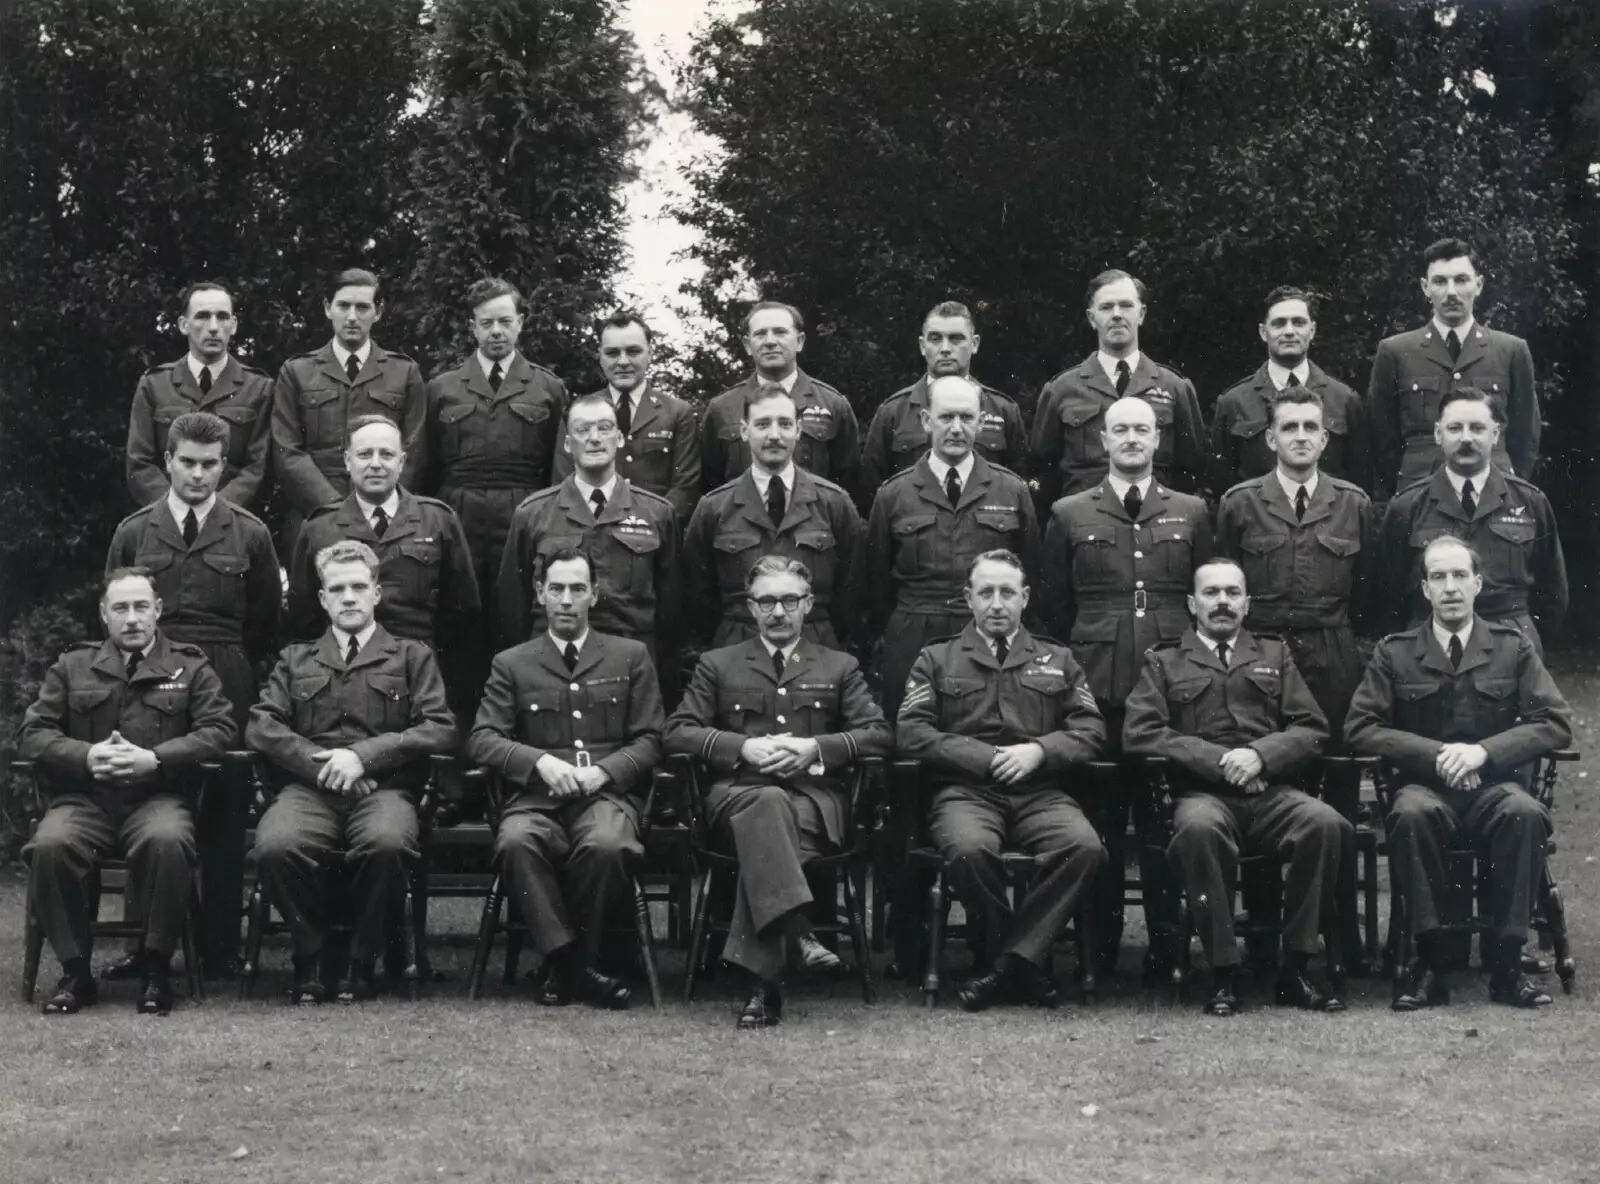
[118,731]
[571,721]
[1461,707]
[999,719]
[347,723]
[1236,721]
[775,719]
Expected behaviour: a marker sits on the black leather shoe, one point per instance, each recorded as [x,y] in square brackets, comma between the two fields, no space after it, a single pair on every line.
[1424,988]
[1221,1001]
[358,986]
[155,997]
[816,958]
[125,969]
[982,991]
[763,1009]
[72,994]
[1041,987]
[554,986]
[307,987]
[1298,989]
[601,990]
[1515,990]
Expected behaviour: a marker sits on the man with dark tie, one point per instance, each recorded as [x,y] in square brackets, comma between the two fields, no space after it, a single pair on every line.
[1414,370]
[207,378]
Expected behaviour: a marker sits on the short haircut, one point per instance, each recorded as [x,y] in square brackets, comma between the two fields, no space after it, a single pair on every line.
[777,565]
[951,308]
[592,399]
[1289,292]
[198,427]
[203,286]
[1466,394]
[1220,561]
[353,277]
[1449,248]
[492,288]
[1289,396]
[367,421]
[765,390]
[127,573]
[999,555]
[1111,276]
[567,555]
[966,380]
[624,317]
[1440,540]
[346,551]
[771,305]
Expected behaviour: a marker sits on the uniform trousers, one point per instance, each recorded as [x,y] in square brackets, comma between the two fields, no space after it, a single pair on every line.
[224,814]
[1513,825]
[1210,831]
[1331,664]
[303,827]
[79,830]
[972,826]
[566,863]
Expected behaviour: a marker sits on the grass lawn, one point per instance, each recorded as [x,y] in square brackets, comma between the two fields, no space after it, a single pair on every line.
[503,1090]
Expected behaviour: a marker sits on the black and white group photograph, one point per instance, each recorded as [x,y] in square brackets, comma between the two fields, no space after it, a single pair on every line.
[732,591]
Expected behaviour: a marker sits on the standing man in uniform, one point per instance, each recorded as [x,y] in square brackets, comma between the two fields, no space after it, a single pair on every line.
[207,378]
[118,729]
[347,724]
[774,507]
[1232,716]
[319,393]
[774,720]
[629,534]
[216,575]
[898,435]
[1461,706]
[1001,721]
[659,437]
[572,721]
[1413,371]
[829,444]
[1241,424]
[1067,445]
[1504,518]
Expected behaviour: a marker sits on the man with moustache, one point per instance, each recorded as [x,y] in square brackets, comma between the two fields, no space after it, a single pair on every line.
[1414,370]
[775,507]
[1067,446]
[1460,707]
[829,442]
[1235,722]
[658,436]
[897,437]
[1241,423]
[208,378]
[1506,520]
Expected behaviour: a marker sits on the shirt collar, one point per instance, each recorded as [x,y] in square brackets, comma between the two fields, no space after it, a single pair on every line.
[1109,363]
[1457,480]
[1280,374]
[488,364]
[180,508]
[963,470]
[787,383]
[1462,331]
[390,506]
[561,646]
[1443,635]
[633,396]
[787,651]
[1291,486]
[1011,642]
[1211,643]
[587,490]
[343,638]
[342,355]
[1120,487]
[763,478]
[216,368]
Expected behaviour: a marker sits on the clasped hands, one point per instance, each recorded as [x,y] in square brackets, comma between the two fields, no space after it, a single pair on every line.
[570,781]
[781,755]
[1012,763]
[117,759]
[1458,764]
[343,773]
[1242,769]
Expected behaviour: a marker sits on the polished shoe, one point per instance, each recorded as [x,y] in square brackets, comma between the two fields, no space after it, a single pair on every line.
[816,958]
[358,986]
[1514,990]
[601,990]
[982,991]
[1222,1001]
[72,994]
[155,997]
[125,969]
[1298,989]
[763,1009]
[308,986]
[553,986]
[1424,988]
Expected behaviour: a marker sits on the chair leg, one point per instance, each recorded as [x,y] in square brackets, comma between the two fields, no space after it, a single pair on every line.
[1555,914]
[858,935]
[880,902]
[647,942]
[938,915]
[32,948]
[487,926]
[255,930]
[410,923]
[191,944]
[1088,983]
[1400,934]
[1369,890]
[515,937]
[698,934]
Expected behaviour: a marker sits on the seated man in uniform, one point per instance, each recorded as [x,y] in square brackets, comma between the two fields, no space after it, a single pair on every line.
[775,719]
[347,723]
[571,720]
[1236,720]
[1461,707]
[115,729]
[999,719]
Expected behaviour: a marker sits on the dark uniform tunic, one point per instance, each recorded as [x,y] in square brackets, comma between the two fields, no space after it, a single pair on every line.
[830,437]
[174,706]
[961,703]
[661,452]
[774,825]
[1191,710]
[388,707]
[1410,704]
[896,439]
[241,394]
[605,710]
[1239,425]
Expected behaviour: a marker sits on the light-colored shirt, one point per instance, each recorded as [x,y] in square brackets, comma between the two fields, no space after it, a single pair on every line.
[561,645]
[586,491]
[180,509]
[390,506]
[504,363]
[1280,374]
[939,468]
[1292,487]
[216,368]
[992,642]
[342,355]
[1457,480]
[763,478]
[1461,331]
[343,638]
[1108,363]
[1121,487]
[1211,643]
[1443,635]
[787,651]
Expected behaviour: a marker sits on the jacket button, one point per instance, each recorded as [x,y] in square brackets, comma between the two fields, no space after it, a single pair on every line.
[577,744]
[573,687]
[782,691]
[577,714]
[1138,554]
[781,720]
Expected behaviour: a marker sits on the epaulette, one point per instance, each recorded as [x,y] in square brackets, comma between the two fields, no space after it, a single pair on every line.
[646,495]
[394,353]
[1161,647]
[547,491]
[83,645]
[989,390]
[827,484]
[1070,370]
[1000,468]
[322,511]
[1414,483]
[1347,486]
[249,369]
[1502,627]
[424,500]
[141,512]
[1042,639]
[246,514]
[310,353]
[534,366]
[157,369]
[1402,634]
[1247,483]
[900,476]
[185,647]
[1523,482]
[827,386]
[725,487]
[903,393]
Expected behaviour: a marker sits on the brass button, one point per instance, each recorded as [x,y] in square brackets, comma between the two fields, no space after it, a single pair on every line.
[577,714]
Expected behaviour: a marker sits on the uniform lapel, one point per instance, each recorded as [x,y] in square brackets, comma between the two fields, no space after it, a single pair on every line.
[798,508]
[1258,395]
[1245,651]
[327,652]
[108,660]
[159,665]
[977,485]
[928,487]
[407,518]
[1319,505]
[590,656]
[619,505]
[375,358]
[379,648]
[1155,503]
[223,386]
[167,529]
[1092,375]
[1023,650]
[1443,493]
[800,660]
[748,503]
[478,382]
[215,527]
[330,367]
[1277,502]
[1431,346]
[646,410]
[1474,348]
[550,657]
[973,643]
[353,523]
[1144,375]
[1492,495]
[1199,652]
[1428,653]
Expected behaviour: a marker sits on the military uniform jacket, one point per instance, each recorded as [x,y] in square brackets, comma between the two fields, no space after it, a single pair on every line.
[608,707]
[633,545]
[1239,425]
[1066,447]
[1513,529]
[1191,710]
[661,452]
[919,546]
[735,695]
[1114,586]
[1314,573]
[173,705]
[388,707]
[226,588]
[961,704]
[896,439]
[1411,703]
[1413,371]
[430,592]
[312,406]
[730,530]
[480,438]
[241,394]
[830,438]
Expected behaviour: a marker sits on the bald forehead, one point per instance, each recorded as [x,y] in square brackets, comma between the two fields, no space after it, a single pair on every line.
[375,434]
[952,392]
[1130,410]
[129,588]
[1447,556]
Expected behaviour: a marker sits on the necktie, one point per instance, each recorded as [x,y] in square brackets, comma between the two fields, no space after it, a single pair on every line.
[191,527]
[1123,376]
[624,414]
[1222,653]
[1455,651]
[1133,502]
[777,665]
[351,650]
[1300,500]
[597,499]
[1294,380]
[1469,499]
[205,380]
[380,522]
[352,367]
[952,486]
[495,377]
[775,501]
[1001,648]
[1453,344]
[133,663]
[570,655]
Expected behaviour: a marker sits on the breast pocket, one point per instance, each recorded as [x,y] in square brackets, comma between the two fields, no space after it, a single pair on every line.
[1419,707]
[241,426]
[744,708]
[322,416]
[1186,701]
[543,724]
[1335,559]
[415,567]
[1095,562]
[166,715]
[816,550]
[915,543]
[224,582]
[1165,416]
[1174,548]
[312,706]
[907,446]
[1265,556]
[649,462]
[1419,400]
[633,559]
[1497,703]
[817,432]
[161,418]
[736,551]
[1513,554]
[998,528]
[605,712]
[165,572]
[1041,701]
[461,431]
[533,433]
[91,714]
[960,703]
[1081,421]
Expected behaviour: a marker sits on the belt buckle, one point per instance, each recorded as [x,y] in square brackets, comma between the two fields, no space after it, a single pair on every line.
[581,758]
[1139,603]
